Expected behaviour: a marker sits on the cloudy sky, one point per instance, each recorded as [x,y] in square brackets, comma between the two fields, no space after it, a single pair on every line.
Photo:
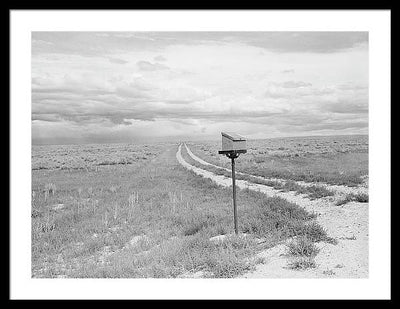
[100,87]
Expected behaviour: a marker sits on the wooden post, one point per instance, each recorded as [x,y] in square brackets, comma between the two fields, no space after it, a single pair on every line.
[233,155]
[233,145]
[234,195]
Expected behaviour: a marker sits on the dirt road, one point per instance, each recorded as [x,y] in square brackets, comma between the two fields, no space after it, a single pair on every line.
[335,188]
[348,224]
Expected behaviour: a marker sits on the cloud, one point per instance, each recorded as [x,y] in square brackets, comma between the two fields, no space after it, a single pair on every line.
[303,92]
[140,100]
[160,58]
[91,44]
[46,117]
[106,84]
[133,91]
[293,89]
[347,107]
[307,42]
[288,71]
[148,66]
[352,86]
[118,61]
[70,99]
[336,126]
[293,84]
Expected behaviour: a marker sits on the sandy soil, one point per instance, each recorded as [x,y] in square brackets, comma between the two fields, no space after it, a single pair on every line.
[348,224]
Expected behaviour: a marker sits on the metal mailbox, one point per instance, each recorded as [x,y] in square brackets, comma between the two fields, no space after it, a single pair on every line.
[233,142]
[232,146]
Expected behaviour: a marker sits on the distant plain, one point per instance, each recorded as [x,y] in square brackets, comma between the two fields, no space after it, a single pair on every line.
[131,210]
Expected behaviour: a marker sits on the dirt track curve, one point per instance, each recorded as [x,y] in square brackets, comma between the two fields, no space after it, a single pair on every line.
[348,224]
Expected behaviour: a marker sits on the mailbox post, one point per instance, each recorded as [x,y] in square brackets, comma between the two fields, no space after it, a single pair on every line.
[232,146]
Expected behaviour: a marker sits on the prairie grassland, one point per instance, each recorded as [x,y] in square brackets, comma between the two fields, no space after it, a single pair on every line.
[336,160]
[93,156]
[312,192]
[149,218]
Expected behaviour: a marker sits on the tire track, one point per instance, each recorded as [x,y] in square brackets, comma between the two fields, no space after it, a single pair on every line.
[348,224]
[339,189]
[224,181]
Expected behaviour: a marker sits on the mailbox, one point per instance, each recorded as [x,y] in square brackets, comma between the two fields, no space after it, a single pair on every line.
[232,142]
[233,145]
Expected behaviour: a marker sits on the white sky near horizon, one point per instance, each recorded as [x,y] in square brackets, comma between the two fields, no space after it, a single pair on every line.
[95,87]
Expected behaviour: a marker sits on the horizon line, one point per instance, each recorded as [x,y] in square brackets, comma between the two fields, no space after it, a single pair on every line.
[170,139]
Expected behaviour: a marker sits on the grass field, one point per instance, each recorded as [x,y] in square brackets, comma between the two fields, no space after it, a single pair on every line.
[132,211]
[337,160]
[312,192]
[93,156]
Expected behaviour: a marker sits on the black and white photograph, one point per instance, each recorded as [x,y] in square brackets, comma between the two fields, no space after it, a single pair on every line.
[200,154]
